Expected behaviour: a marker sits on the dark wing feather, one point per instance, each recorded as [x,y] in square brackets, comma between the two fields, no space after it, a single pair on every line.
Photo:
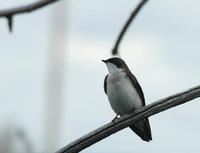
[141,128]
[105,84]
[137,86]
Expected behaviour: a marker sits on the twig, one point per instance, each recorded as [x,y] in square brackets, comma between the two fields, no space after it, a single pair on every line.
[144,112]
[9,13]
[26,9]
[127,24]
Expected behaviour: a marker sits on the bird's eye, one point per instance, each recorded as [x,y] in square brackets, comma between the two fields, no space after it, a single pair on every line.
[119,65]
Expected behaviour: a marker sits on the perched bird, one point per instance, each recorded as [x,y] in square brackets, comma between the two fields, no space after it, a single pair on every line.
[125,94]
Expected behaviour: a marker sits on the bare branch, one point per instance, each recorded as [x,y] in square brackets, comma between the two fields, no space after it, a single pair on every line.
[26,9]
[144,112]
[10,13]
[126,26]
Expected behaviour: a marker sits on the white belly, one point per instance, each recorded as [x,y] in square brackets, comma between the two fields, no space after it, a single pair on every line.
[122,96]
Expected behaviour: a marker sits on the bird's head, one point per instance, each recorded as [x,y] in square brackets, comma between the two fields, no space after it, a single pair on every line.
[115,65]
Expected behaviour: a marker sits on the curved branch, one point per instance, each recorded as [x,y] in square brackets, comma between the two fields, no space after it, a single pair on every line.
[9,13]
[127,24]
[112,127]
[26,9]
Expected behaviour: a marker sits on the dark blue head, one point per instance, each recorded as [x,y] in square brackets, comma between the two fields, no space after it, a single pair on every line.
[115,64]
[118,62]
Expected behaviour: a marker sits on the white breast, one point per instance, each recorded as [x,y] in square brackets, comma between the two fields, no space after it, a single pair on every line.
[122,96]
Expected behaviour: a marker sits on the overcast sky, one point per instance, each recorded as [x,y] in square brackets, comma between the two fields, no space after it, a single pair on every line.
[161,48]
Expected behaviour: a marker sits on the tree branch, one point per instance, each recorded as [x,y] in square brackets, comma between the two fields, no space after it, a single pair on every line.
[9,13]
[126,26]
[26,9]
[144,112]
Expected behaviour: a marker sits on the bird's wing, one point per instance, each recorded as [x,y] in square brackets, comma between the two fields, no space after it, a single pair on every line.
[105,84]
[138,87]
[141,128]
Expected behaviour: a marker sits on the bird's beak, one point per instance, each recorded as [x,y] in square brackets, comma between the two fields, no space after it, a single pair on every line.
[103,61]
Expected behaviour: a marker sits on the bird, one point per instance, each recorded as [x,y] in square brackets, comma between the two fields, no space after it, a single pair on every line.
[125,94]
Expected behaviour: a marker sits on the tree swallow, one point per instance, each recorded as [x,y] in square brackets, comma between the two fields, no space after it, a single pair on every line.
[125,94]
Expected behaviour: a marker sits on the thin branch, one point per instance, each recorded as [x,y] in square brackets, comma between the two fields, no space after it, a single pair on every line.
[9,13]
[26,9]
[126,26]
[144,112]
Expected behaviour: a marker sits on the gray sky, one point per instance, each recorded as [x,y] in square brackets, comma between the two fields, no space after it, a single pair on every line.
[161,49]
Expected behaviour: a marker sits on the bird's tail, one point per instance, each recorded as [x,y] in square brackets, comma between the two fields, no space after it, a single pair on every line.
[142,129]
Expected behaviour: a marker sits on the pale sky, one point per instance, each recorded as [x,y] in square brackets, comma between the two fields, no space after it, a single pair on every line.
[161,48]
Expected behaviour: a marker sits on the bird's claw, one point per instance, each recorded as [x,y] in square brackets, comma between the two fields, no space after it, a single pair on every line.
[116,118]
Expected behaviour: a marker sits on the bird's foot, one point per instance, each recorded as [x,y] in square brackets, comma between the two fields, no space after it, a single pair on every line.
[116,118]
